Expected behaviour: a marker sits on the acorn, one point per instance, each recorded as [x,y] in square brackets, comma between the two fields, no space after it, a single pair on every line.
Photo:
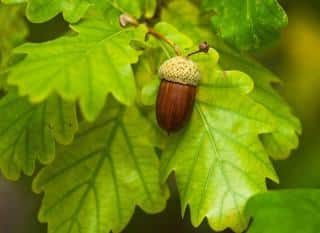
[176,96]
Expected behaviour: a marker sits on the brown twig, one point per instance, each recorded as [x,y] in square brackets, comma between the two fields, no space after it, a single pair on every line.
[157,13]
[126,20]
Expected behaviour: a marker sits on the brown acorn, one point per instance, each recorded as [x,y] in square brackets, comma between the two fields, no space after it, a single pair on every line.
[176,96]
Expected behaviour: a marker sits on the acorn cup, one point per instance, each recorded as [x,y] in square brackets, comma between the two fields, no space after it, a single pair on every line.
[179,79]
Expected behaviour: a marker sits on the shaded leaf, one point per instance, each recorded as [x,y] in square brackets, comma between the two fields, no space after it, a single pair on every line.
[149,92]
[285,211]
[62,118]
[12,33]
[146,75]
[28,132]
[109,169]
[149,7]
[247,24]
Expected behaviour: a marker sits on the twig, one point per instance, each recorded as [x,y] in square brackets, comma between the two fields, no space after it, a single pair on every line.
[203,48]
[127,20]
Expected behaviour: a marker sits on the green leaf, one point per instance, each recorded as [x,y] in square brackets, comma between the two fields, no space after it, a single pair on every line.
[285,138]
[146,75]
[146,70]
[62,119]
[149,92]
[219,160]
[135,8]
[95,183]
[12,33]
[285,211]
[185,16]
[28,132]
[86,67]
[149,7]
[12,1]
[178,38]
[247,24]
[39,11]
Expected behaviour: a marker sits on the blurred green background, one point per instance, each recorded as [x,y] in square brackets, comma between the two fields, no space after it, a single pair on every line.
[296,59]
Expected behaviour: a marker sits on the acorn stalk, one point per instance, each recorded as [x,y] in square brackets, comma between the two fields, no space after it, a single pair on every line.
[177,92]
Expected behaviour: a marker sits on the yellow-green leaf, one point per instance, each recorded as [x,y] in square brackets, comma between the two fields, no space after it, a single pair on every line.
[86,67]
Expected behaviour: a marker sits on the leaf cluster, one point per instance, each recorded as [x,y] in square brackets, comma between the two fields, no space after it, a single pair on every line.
[82,105]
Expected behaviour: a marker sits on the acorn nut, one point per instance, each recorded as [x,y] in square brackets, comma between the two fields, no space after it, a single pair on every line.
[177,92]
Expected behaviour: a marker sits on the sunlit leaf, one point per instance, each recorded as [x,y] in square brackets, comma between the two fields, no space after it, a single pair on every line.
[86,67]
[179,39]
[285,138]
[39,11]
[219,161]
